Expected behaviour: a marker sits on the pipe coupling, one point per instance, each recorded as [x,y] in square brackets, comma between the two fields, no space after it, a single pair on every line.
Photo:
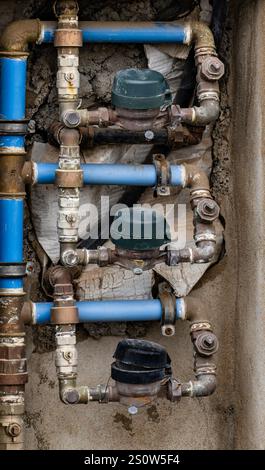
[69,178]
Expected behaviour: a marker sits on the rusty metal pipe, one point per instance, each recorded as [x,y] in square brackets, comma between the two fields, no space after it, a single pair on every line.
[196,178]
[204,252]
[204,386]
[194,309]
[201,35]
[13,372]
[205,345]
[209,71]
[207,112]
[70,394]
[90,136]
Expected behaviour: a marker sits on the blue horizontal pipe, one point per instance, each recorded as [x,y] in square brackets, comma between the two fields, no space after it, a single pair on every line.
[112,174]
[109,311]
[125,32]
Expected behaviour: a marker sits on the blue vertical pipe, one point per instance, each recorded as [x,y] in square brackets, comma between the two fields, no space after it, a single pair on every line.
[11,238]
[112,174]
[109,311]
[13,75]
[11,230]
[125,32]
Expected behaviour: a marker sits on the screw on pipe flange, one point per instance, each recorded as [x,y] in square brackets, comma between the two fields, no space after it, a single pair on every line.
[137,271]
[149,135]
[13,429]
[132,410]
[168,330]
[208,210]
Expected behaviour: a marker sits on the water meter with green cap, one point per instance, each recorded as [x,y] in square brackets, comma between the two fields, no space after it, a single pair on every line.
[138,96]
[139,229]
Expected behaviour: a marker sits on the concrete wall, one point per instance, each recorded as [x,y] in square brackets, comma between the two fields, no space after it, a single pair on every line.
[232,291]
[249,173]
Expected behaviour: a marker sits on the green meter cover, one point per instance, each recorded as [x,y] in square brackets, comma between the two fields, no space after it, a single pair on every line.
[140,89]
[139,229]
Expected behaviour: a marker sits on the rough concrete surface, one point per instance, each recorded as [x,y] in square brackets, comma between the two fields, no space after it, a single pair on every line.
[249,173]
[232,290]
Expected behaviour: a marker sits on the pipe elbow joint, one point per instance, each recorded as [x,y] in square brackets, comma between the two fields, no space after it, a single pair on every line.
[69,396]
[194,309]
[204,253]
[74,396]
[196,179]
[205,385]
[202,36]
[207,112]
[19,34]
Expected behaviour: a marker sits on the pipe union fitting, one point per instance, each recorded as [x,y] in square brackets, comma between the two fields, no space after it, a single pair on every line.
[206,343]
[208,210]
[212,68]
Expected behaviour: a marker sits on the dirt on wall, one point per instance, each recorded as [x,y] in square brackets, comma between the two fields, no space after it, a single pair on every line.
[193,424]
[98,65]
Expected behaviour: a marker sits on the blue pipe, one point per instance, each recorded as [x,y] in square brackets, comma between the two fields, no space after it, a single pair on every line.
[13,76]
[125,32]
[109,311]
[112,174]
[11,238]
[11,230]
[11,283]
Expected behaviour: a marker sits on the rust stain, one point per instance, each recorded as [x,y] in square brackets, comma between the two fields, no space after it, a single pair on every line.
[153,414]
[125,421]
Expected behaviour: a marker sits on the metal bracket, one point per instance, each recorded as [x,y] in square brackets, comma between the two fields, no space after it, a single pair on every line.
[168,302]
[163,175]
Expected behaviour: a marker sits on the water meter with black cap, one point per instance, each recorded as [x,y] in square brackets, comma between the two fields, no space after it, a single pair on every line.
[140,369]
